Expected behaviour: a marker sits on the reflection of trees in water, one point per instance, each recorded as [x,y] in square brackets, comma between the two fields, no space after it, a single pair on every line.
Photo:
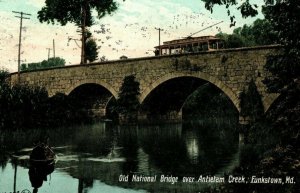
[84,185]
[177,149]
[216,144]
[165,148]
[14,141]
[97,139]
[14,163]
[128,140]
[3,157]
[9,142]
[198,149]
[104,152]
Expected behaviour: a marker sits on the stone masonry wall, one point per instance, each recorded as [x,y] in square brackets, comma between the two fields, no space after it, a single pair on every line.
[230,70]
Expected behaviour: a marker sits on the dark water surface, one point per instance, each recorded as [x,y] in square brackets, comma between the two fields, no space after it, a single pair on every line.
[92,158]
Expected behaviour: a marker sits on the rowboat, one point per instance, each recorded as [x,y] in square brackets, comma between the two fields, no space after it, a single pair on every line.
[42,155]
[42,162]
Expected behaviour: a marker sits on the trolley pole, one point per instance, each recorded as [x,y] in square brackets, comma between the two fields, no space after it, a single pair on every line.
[20,38]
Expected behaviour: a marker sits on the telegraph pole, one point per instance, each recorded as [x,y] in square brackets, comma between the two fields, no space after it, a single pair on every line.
[48,52]
[159,29]
[20,38]
[83,30]
[53,48]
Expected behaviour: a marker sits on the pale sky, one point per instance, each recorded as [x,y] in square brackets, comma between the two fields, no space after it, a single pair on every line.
[130,31]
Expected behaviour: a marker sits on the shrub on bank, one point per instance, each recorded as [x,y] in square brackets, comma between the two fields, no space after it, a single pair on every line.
[23,107]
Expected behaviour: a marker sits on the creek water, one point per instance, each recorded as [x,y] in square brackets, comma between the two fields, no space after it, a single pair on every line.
[99,157]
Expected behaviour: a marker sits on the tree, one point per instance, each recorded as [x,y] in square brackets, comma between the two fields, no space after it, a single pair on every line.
[285,68]
[52,62]
[251,103]
[262,32]
[246,8]
[91,50]
[259,33]
[78,12]
[127,104]
[4,74]
[91,53]
[236,41]
[281,155]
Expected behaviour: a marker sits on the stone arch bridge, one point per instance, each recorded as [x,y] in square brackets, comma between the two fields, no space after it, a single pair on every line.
[230,70]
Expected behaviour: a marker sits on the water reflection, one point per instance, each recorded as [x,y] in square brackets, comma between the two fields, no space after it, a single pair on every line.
[91,158]
[192,146]
[38,174]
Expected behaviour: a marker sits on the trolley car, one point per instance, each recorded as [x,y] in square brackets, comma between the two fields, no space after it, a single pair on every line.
[189,45]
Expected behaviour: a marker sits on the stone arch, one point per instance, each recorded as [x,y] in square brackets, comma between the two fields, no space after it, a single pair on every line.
[99,82]
[218,83]
[269,100]
[109,100]
[91,98]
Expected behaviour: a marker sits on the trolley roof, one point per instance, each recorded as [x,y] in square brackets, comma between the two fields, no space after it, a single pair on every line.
[188,40]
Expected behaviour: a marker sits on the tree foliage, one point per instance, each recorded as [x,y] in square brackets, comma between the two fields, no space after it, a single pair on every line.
[233,40]
[285,68]
[275,139]
[91,50]
[52,62]
[65,11]
[259,33]
[78,12]
[251,103]
[246,8]
[23,107]
[4,74]
[127,104]
[209,102]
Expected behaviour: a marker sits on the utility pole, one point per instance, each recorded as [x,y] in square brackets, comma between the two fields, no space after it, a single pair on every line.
[75,40]
[159,30]
[53,48]
[20,38]
[48,52]
[83,30]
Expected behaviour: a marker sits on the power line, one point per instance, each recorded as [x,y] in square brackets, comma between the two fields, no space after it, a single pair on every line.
[204,29]
[20,38]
